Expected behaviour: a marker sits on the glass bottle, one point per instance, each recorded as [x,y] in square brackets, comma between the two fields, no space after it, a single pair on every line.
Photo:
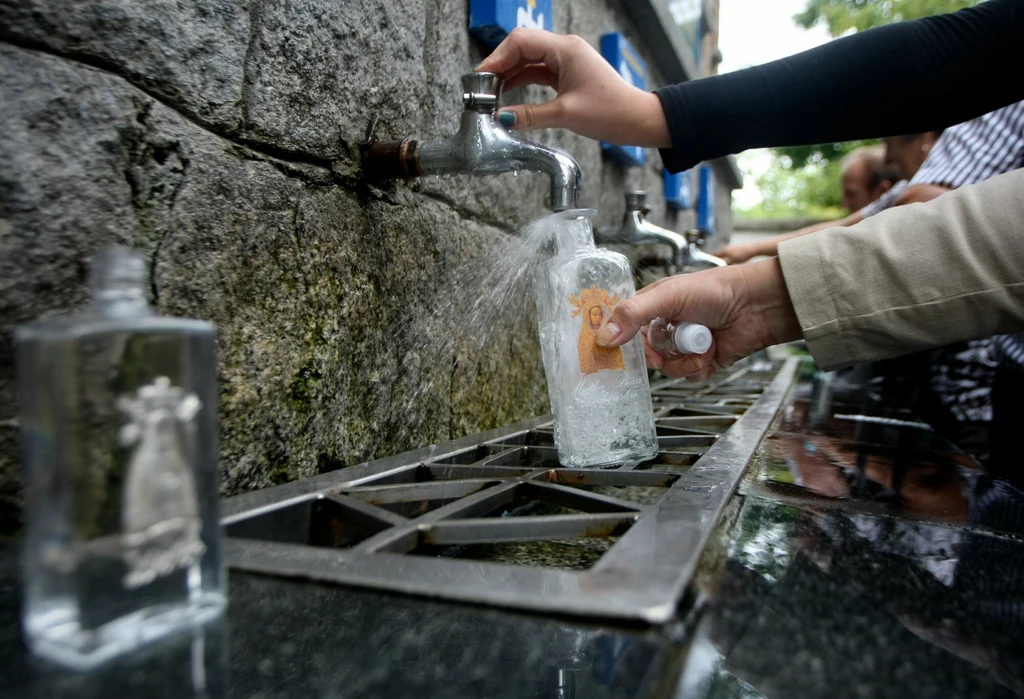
[676,339]
[119,432]
[600,397]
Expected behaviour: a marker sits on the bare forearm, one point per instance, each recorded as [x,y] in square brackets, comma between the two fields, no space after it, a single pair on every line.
[921,193]
[770,246]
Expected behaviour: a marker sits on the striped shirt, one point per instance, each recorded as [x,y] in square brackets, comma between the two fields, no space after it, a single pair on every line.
[886,200]
[988,146]
[976,150]
[1009,350]
[969,153]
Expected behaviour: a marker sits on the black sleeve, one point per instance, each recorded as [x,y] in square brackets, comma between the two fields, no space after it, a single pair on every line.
[903,78]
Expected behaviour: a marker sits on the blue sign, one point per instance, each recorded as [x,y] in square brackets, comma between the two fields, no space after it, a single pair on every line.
[679,189]
[492,20]
[617,51]
[706,200]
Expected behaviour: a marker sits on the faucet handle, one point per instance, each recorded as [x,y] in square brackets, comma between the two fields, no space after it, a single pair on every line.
[481,91]
[637,201]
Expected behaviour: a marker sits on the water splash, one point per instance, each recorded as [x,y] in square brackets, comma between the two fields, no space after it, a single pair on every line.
[479,336]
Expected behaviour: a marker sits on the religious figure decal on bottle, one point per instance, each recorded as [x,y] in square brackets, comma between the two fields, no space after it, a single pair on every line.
[160,509]
[596,308]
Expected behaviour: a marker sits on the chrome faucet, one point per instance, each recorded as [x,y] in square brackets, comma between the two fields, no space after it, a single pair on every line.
[482,146]
[635,229]
[697,259]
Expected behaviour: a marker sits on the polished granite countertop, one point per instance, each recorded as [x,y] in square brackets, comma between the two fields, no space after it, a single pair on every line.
[862,557]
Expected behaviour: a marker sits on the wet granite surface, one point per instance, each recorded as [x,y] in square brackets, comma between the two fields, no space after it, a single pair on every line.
[861,558]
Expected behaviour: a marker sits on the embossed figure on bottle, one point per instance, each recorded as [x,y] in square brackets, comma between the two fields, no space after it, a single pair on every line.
[118,406]
[159,508]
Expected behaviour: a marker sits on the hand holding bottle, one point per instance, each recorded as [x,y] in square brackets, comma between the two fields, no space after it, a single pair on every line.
[746,308]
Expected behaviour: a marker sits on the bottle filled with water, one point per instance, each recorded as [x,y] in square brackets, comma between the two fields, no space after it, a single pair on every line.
[119,430]
[600,397]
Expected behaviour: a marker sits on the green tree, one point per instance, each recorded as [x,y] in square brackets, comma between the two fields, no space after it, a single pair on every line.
[804,180]
[842,16]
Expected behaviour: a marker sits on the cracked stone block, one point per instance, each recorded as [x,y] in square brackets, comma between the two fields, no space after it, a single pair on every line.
[221,137]
[319,69]
[331,350]
[190,54]
[305,78]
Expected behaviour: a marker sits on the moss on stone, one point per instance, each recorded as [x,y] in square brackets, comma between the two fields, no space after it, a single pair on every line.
[328,461]
[278,471]
[302,389]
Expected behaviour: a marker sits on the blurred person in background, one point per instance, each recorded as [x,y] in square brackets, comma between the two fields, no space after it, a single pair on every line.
[867,176]
[950,387]
[929,164]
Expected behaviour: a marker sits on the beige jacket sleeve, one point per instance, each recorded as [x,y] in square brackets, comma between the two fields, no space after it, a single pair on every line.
[913,277]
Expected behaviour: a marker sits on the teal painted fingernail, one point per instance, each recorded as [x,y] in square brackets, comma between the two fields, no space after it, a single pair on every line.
[507,119]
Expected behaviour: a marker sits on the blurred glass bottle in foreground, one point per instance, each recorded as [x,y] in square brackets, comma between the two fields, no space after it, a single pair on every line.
[600,397]
[119,432]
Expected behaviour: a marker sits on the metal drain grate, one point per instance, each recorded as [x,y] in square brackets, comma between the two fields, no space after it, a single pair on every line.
[494,519]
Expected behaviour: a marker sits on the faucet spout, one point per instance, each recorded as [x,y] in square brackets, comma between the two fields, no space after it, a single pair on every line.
[697,259]
[482,146]
[635,229]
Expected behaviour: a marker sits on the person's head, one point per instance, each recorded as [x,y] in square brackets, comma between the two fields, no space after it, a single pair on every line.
[866,176]
[596,314]
[908,152]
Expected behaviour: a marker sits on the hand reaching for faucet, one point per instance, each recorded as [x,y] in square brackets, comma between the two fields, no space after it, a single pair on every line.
[746,307]
[593,100]
[738,253]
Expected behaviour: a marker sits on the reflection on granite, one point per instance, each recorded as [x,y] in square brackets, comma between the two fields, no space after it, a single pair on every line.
[323,641]
[862,558]
[862,456]
[844,576]
[817,603]
[285,638]
[927,485]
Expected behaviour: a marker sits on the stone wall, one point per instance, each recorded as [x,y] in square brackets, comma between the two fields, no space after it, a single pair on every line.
[221,137]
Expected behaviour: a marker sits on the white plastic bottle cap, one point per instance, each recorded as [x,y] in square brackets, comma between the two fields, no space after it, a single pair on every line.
[692,338]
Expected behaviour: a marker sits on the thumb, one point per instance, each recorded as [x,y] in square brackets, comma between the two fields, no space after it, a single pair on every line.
[534,116]
[629,316]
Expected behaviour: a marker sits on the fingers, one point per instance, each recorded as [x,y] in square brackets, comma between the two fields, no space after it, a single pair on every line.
[536,116]
[735,254]
[653,285]
[726,254]
[529,45]
[532,74]
[690,366]
[654,360]
[629,316]
[509,74]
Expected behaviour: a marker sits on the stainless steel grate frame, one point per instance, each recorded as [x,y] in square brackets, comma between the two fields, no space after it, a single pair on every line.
[387,524]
